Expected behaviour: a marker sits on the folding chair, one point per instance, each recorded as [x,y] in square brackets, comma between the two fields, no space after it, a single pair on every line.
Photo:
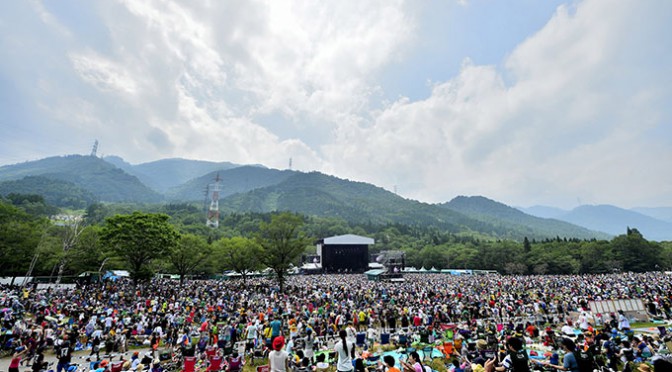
[384,338]
[189,364]
[403,340]
[215,363]
[117,366]
[361,339]
[210,352]
[427,353]
[240,347]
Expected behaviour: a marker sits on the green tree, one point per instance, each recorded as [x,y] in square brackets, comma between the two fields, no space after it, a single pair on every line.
[433,256]
[96,213]
[636,253]
[20,234]
[188,254]
[138,239]
[88,254]
[282,242]
[33,204]
[238,254]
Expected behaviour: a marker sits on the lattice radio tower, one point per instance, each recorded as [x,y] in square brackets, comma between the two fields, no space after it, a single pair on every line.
[94,150]
[212,216]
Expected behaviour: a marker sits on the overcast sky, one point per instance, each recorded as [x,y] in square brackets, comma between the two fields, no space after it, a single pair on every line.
[524,101]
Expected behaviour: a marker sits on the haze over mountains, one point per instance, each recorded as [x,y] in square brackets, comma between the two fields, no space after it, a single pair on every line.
[74,180]
[653,223]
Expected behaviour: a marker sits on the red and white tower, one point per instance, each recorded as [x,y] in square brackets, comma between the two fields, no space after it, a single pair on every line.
[212,219]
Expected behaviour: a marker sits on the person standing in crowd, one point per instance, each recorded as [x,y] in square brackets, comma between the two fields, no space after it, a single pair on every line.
[278,359]
[64,355]
[16,358]
[276,328]
[623,322]
[345,349]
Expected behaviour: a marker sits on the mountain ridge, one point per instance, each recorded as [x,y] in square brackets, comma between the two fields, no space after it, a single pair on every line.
[259,189]
[613,220]
[106,181]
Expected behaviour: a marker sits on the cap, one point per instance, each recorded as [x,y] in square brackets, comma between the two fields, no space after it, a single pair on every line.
[278,343]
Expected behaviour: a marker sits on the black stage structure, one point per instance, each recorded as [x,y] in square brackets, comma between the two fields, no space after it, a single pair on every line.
[344,253]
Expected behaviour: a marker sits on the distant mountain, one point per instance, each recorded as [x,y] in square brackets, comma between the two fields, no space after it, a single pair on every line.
[318,194]
[235,180]
[543,211]
[102,179]
[164,174]
[76,180]
[58,193]
[660,213]
[322,195]
[511,219]
[653,223]
[614,220]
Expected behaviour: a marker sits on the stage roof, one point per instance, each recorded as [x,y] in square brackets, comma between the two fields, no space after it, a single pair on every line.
[348,239]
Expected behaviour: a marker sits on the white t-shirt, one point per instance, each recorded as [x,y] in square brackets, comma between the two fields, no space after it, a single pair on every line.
[251,332]
[344,359]
[278,360]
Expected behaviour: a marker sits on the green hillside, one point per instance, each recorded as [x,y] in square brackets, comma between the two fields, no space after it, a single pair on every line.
[235,180]
[105,181]
[316,194]
[58,193]
[75,180]
[512,219]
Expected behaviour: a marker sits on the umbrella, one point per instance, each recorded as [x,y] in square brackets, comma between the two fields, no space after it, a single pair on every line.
[50,318]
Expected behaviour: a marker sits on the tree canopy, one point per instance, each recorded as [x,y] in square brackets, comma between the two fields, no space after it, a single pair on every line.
[138,239]
[282,242]
[190,252]
[238,254]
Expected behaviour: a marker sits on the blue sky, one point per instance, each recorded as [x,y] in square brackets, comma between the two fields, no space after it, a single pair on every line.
[526,102]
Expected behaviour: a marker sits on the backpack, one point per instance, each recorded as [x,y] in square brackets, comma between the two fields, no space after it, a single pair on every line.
[584,360]
[520,362]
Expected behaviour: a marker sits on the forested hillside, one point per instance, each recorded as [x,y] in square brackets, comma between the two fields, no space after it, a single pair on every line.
[102,179]
[24,234]
[232,181]
[58,193]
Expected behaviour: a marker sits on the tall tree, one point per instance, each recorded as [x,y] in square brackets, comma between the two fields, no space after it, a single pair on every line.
[238,254]
[71,229]
[87,254]
[188,254]
[20,235]
[636,253]
[282,242]
[138,239]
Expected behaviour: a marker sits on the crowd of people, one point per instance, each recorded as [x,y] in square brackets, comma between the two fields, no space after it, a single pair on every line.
[334,313]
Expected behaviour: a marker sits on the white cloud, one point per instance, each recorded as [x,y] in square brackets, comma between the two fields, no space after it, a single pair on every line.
[103,73]
[575,110]
[572,122]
